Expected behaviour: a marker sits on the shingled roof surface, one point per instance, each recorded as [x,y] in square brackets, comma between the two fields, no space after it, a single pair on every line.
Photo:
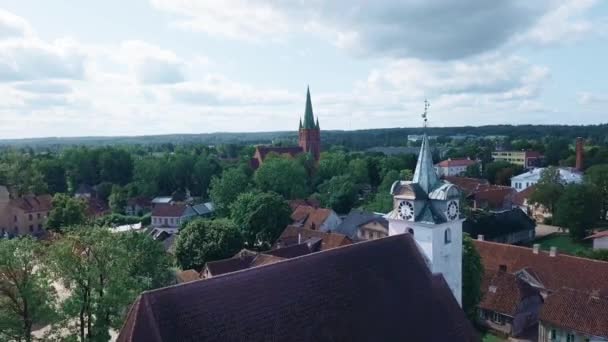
[502,292]
[291,235]
[343,294]
[30,203]
[169,210]
[578,311]
[553,272]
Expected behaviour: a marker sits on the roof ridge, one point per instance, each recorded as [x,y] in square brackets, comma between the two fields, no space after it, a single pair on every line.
[559,255]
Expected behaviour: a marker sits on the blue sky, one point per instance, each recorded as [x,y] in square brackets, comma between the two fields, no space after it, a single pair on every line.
[73,68]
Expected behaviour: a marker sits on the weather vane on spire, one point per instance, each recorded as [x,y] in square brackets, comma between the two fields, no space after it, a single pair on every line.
[426,110]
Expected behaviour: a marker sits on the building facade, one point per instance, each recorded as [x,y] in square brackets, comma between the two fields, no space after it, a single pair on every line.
[453,167]
[526,159]
[25,215]
[428,209]
[525,180]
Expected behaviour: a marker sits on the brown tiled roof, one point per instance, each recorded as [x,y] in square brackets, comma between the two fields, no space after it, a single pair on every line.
[494,196]
[467,185]
[502,292]
[576,310]
[236,263]
[31,203]
[187,276]
[265,259]
[455,162]
[598,235]
[311,202]
[343,294]
[553,272]
[312,218]
[169,210]
[301,213]
[520,197]
[290,251]
[291,234]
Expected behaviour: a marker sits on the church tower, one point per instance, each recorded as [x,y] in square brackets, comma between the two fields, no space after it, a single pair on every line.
[428,208]
[310,132]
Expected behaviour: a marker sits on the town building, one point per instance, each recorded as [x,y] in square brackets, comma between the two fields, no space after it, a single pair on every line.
[296,235]
[25,215]
[170,217]
[428,209]
[600,240]
[309,139]
[573,291]
[480,194]
[378,290]
[454,167]
[315,218]
[527,179]
[360,225]
[526,159]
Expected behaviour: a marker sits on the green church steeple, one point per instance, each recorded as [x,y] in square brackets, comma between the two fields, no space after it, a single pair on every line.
[317,125]
[300,127]
[309,119]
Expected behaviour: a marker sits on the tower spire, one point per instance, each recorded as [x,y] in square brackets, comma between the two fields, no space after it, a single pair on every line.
[425,175]
[300,127]
[309,119]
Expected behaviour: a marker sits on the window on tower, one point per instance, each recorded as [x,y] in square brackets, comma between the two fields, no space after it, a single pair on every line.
[447,237]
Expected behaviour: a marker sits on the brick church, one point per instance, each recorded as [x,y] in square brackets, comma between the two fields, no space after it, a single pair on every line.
[309,139]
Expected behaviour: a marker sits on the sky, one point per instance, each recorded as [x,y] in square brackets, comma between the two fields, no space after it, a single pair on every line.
[141,67]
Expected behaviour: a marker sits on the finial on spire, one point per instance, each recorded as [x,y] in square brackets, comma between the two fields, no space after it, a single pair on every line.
[425,114]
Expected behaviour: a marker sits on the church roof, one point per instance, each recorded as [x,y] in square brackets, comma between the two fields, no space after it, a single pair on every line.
[425,175]
[309,119]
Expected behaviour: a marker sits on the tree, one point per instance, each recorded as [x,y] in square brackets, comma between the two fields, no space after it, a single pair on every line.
[115,166]
[26,294]
[66,211]
[201,241]
[148,264]
[225,189]
[359,171]
[500,172]
[472,274]
[284,176]
[577,209]
[338,193]
[54,175]
[549,188]
[331,164]
[204,168]
[261,217]
[597,175]
[473,171]
[118,199]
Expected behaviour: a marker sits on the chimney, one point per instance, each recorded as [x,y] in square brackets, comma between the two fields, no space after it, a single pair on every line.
[480,237]
[553,251]
[580,143]
[535,248]
[502,268]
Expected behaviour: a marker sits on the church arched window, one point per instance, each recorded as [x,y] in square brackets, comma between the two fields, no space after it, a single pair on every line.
[447,236]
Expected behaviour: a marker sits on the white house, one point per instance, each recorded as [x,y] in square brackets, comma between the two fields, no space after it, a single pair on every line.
[169,217]
[428,208]
[527,179]
[600,240]
[453,167]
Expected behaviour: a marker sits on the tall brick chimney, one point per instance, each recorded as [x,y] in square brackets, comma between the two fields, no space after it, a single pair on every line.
[580,143]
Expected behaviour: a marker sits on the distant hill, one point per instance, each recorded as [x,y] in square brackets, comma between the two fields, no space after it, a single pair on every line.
[358,139]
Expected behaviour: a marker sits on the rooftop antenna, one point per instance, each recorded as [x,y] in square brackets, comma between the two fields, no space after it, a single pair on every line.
[424,115]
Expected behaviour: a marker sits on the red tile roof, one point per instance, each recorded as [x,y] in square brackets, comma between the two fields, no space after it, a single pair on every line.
[576,310]
[292,234]
[311,202]
[494,196]
[598,235]
[310,217]
[31,203]
[521,197]
[456,162]
[553,272]
[467,185]
[502,292]
[169,210]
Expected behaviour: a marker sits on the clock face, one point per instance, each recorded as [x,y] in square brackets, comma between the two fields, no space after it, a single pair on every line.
[452,211]
[406,210]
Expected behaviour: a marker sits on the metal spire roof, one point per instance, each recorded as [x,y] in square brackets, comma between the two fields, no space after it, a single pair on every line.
[309,120]
[425,175]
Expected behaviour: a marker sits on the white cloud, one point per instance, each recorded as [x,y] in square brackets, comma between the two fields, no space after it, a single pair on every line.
[12,25]
[590,98]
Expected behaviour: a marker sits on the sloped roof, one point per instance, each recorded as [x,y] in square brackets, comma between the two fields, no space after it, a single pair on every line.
[169,210]
[265,259]
[466,184]
[521,197]
[576,310]
[598,235]
[355,219]
[187,276]
[456,162]
[502,292]
[311,218]
[292,234]
[425,175]
[236,263]
[31,203]
[495,196]
[342,294]
[554,272]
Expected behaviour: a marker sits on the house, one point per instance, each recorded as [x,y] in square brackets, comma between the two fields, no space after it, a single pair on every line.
[23,215]
[526,159]
[309,140]
[171,216]
[512,226]
[480,194]
[600,240]
[341,294]
[315,218]
[509,304]
[296,235]
[527,179]
[572,315]
[138,206]
[569,286]
[453,167]
[359,225]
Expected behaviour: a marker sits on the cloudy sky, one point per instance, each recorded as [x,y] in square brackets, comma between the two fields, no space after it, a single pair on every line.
[115,67]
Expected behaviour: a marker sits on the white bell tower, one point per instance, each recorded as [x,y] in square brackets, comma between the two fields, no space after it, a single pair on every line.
[428,208]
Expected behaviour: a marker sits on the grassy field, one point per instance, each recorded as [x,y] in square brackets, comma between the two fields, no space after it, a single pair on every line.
[487,337]
[563,242]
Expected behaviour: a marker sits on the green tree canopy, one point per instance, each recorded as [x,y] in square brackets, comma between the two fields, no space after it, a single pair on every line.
[359,171]
[261,217]
[118,199]
[26,294]
[338,193]
[284,176]
[331,164]
[500,172]
[225,189]
[201,241]
[578,209]
[66,211]
[549,188]
[472,274]
[597,175]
